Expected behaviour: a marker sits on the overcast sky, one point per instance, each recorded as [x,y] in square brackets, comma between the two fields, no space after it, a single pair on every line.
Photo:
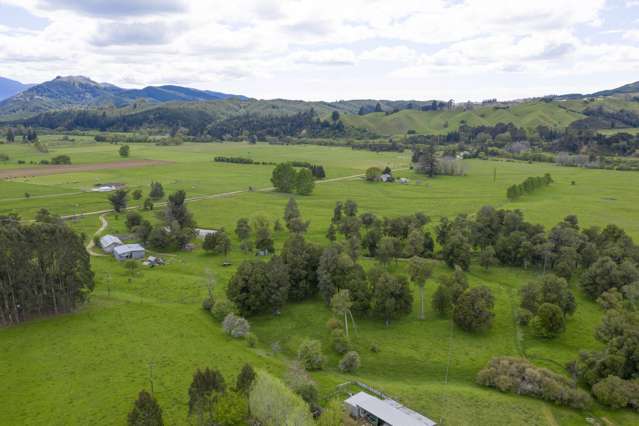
[328,49]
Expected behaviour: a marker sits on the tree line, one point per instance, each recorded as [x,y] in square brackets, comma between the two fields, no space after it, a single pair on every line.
[317,171]
[528,186]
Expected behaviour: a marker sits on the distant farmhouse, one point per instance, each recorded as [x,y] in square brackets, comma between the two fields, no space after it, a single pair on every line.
[384,412]
[202,233]
[109,242]
[128,251]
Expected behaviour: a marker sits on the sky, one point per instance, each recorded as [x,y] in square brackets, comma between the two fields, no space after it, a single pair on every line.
[329,50]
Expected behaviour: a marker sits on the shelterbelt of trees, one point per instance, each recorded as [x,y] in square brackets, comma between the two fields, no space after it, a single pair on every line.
[44,269]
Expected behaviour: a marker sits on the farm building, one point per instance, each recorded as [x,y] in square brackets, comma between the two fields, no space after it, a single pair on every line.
[202,233]
[109,242]
[384,412]
[128,251]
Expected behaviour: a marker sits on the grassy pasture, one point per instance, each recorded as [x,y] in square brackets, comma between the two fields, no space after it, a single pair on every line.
[88,366]
[529,115]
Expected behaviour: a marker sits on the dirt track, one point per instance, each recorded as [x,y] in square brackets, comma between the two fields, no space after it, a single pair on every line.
[72,168]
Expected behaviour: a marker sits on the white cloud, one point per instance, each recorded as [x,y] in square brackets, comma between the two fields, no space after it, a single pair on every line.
[271,47]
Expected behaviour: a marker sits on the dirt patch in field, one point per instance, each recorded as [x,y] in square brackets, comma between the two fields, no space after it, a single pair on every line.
[73,168]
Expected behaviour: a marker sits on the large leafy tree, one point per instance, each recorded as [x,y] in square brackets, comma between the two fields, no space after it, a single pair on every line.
[304,182]
[243,229]
[259,287]
[457,252]
[336,271]
[391,297]
[119,200]
[284,177]
[302,259]
[474,309]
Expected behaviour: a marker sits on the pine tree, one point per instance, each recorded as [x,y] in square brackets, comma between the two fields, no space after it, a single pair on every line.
[245,379]
[146,411]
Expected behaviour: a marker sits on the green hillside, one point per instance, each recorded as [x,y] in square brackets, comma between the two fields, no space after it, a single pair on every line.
[529,115]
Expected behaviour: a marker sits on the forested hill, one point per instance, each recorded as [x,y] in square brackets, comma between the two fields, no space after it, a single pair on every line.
[200,113]
[75,92]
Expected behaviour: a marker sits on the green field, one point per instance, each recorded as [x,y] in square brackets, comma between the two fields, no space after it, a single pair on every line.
[87,367]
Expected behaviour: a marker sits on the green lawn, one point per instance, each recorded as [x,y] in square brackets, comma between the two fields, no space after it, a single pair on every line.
[87,367]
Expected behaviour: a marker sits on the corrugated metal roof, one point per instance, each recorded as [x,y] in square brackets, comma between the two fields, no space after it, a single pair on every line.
[107,240]
[127,248]
[392,412]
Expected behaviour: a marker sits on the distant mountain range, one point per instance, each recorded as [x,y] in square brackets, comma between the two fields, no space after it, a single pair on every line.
[626,89]
[9,88]
[75,92]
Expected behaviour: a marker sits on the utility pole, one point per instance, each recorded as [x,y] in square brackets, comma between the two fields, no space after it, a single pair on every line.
[151,378]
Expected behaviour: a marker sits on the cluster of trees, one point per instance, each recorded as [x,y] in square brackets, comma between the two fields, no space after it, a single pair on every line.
[565,249]
[305,123]
[176,227]
[44,269]
[217,242]
[316,170]
[545,303]
[304,269]
[386,239]
[517,375]
[255,397]
[426,161]
[472,308]
[528,186]
[612,371]
[286,179]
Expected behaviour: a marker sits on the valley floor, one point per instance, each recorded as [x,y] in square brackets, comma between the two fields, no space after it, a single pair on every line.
[149,331]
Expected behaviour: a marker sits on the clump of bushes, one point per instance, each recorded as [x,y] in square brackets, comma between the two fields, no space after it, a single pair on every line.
[519,376]
[350,362]
[617,393]
[310,355]
[221,308]
[61,159]
[235,326]
[339,341]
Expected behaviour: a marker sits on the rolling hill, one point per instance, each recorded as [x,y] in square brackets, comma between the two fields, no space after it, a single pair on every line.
[526,114]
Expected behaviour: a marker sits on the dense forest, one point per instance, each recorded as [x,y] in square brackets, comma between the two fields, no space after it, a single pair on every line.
[44,269]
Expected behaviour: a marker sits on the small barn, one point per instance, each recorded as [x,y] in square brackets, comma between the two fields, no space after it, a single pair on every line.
[383,412]
[109,242]
[128,251]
